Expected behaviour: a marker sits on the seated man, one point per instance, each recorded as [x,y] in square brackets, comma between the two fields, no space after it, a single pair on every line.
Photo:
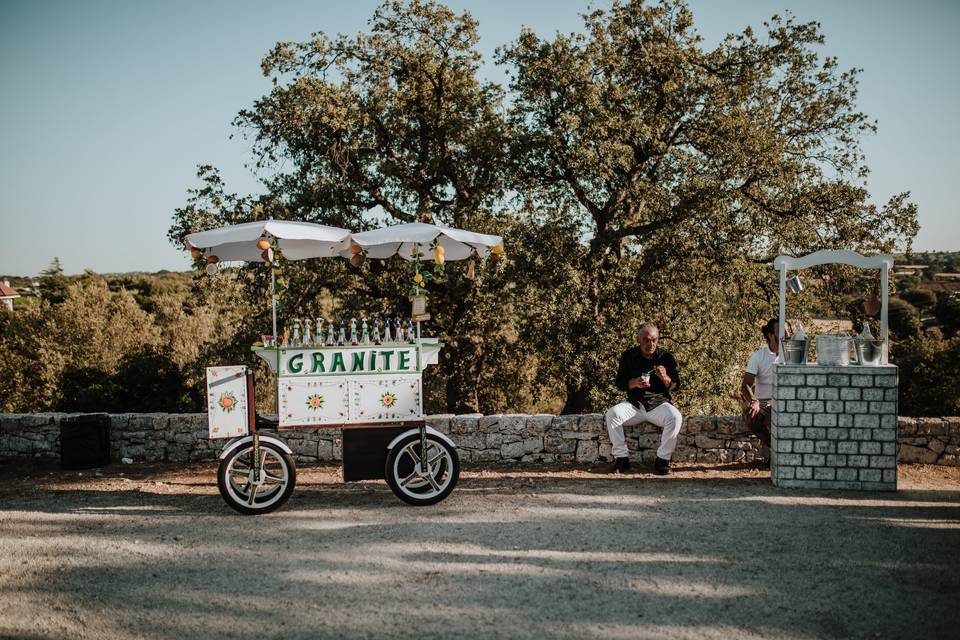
[757,388]
[648,375]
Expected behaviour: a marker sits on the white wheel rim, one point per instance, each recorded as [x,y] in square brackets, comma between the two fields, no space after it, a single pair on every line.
[428,485]
[274,478]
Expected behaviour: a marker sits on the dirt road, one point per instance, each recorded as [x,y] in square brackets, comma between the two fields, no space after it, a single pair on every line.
[707,553]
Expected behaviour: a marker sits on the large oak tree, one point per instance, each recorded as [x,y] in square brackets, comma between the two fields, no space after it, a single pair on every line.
[678,167]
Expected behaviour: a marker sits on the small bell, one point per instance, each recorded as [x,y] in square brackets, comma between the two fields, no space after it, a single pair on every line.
[471,273]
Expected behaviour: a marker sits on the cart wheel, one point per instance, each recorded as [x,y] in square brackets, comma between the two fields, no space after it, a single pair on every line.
[405,478]
[249,495]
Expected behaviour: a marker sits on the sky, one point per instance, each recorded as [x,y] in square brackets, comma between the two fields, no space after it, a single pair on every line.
[109,106]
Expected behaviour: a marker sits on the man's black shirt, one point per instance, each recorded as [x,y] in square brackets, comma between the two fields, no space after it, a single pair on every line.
[634,364]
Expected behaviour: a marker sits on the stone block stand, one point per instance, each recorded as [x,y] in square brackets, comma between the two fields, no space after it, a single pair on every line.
[835,427]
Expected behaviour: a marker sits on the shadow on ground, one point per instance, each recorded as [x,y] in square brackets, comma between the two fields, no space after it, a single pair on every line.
[508,555]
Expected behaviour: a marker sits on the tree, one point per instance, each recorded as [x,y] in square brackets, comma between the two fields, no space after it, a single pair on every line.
[929,375]
[682,171]
[393,119]
[53,283]
[947,312]
[98,350]
[903,318]
[920,298]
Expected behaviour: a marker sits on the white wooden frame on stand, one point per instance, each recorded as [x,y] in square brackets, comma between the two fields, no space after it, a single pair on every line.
[882,261]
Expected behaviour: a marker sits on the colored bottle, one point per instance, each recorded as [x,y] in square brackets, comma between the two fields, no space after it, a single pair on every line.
[296,333]
[331,339]
[387,335]
[398,329]
[342,333]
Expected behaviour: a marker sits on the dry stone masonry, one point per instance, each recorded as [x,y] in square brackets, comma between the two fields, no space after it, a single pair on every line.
[835,427]
[501,438]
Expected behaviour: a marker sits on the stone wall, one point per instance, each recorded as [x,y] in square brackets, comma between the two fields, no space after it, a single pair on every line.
[499,438]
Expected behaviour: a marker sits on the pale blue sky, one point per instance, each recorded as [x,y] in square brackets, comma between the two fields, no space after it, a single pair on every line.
[109,106]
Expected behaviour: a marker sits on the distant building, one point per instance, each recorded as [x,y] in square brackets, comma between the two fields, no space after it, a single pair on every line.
[7,294]
[830,325]
[909,269]
[942,286]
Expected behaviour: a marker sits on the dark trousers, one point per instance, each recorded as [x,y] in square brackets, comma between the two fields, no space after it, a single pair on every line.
[760,424]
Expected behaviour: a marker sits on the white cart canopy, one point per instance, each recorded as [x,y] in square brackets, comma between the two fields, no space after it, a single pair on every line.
[415,239]
[297,240]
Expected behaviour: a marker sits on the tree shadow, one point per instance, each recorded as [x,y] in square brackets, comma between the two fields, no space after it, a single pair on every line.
[569,559]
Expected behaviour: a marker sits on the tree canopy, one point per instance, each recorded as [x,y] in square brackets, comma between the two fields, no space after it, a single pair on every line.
[635,174]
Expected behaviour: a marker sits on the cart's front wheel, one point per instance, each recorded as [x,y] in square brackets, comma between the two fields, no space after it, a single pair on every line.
[251,493]
[417,487]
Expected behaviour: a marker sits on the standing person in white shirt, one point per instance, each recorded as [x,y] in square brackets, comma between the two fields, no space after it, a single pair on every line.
[757,388]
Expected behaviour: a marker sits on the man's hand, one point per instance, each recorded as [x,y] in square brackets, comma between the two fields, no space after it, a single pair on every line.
[754,409]
[637,383]
[661,372]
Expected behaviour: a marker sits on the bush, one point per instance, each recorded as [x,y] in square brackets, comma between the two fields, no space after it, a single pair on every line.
[929,375]
[904,319]
[920,298]
[948,314]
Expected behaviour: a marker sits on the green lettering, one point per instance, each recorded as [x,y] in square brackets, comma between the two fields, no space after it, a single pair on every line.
[403,364]
[373,360]
[386,359]
[317,362]
[295,363]
[338,362]
[357,361]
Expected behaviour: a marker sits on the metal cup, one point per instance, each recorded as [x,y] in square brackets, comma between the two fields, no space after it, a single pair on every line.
[794,284]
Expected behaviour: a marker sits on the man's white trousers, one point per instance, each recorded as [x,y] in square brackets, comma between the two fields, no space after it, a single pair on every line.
[666,416]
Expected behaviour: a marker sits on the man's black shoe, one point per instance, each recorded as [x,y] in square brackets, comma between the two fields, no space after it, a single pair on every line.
[661,467]
[621,465]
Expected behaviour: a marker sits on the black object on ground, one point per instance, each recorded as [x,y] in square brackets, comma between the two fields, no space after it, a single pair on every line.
[85,441]
[365,452]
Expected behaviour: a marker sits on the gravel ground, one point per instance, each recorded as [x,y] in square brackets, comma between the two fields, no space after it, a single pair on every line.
[151,551]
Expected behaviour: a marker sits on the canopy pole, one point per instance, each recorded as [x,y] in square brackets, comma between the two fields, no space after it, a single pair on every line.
[273,301]
[783,312]
[276,339]
[884,326]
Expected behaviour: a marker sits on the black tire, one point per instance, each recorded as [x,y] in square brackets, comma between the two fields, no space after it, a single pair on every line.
[277,464]
[442,474]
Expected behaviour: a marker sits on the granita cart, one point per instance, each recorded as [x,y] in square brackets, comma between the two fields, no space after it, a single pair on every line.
[370,386]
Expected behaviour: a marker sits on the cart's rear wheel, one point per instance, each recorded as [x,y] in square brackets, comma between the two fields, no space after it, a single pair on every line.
[250,494]
[422,488]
